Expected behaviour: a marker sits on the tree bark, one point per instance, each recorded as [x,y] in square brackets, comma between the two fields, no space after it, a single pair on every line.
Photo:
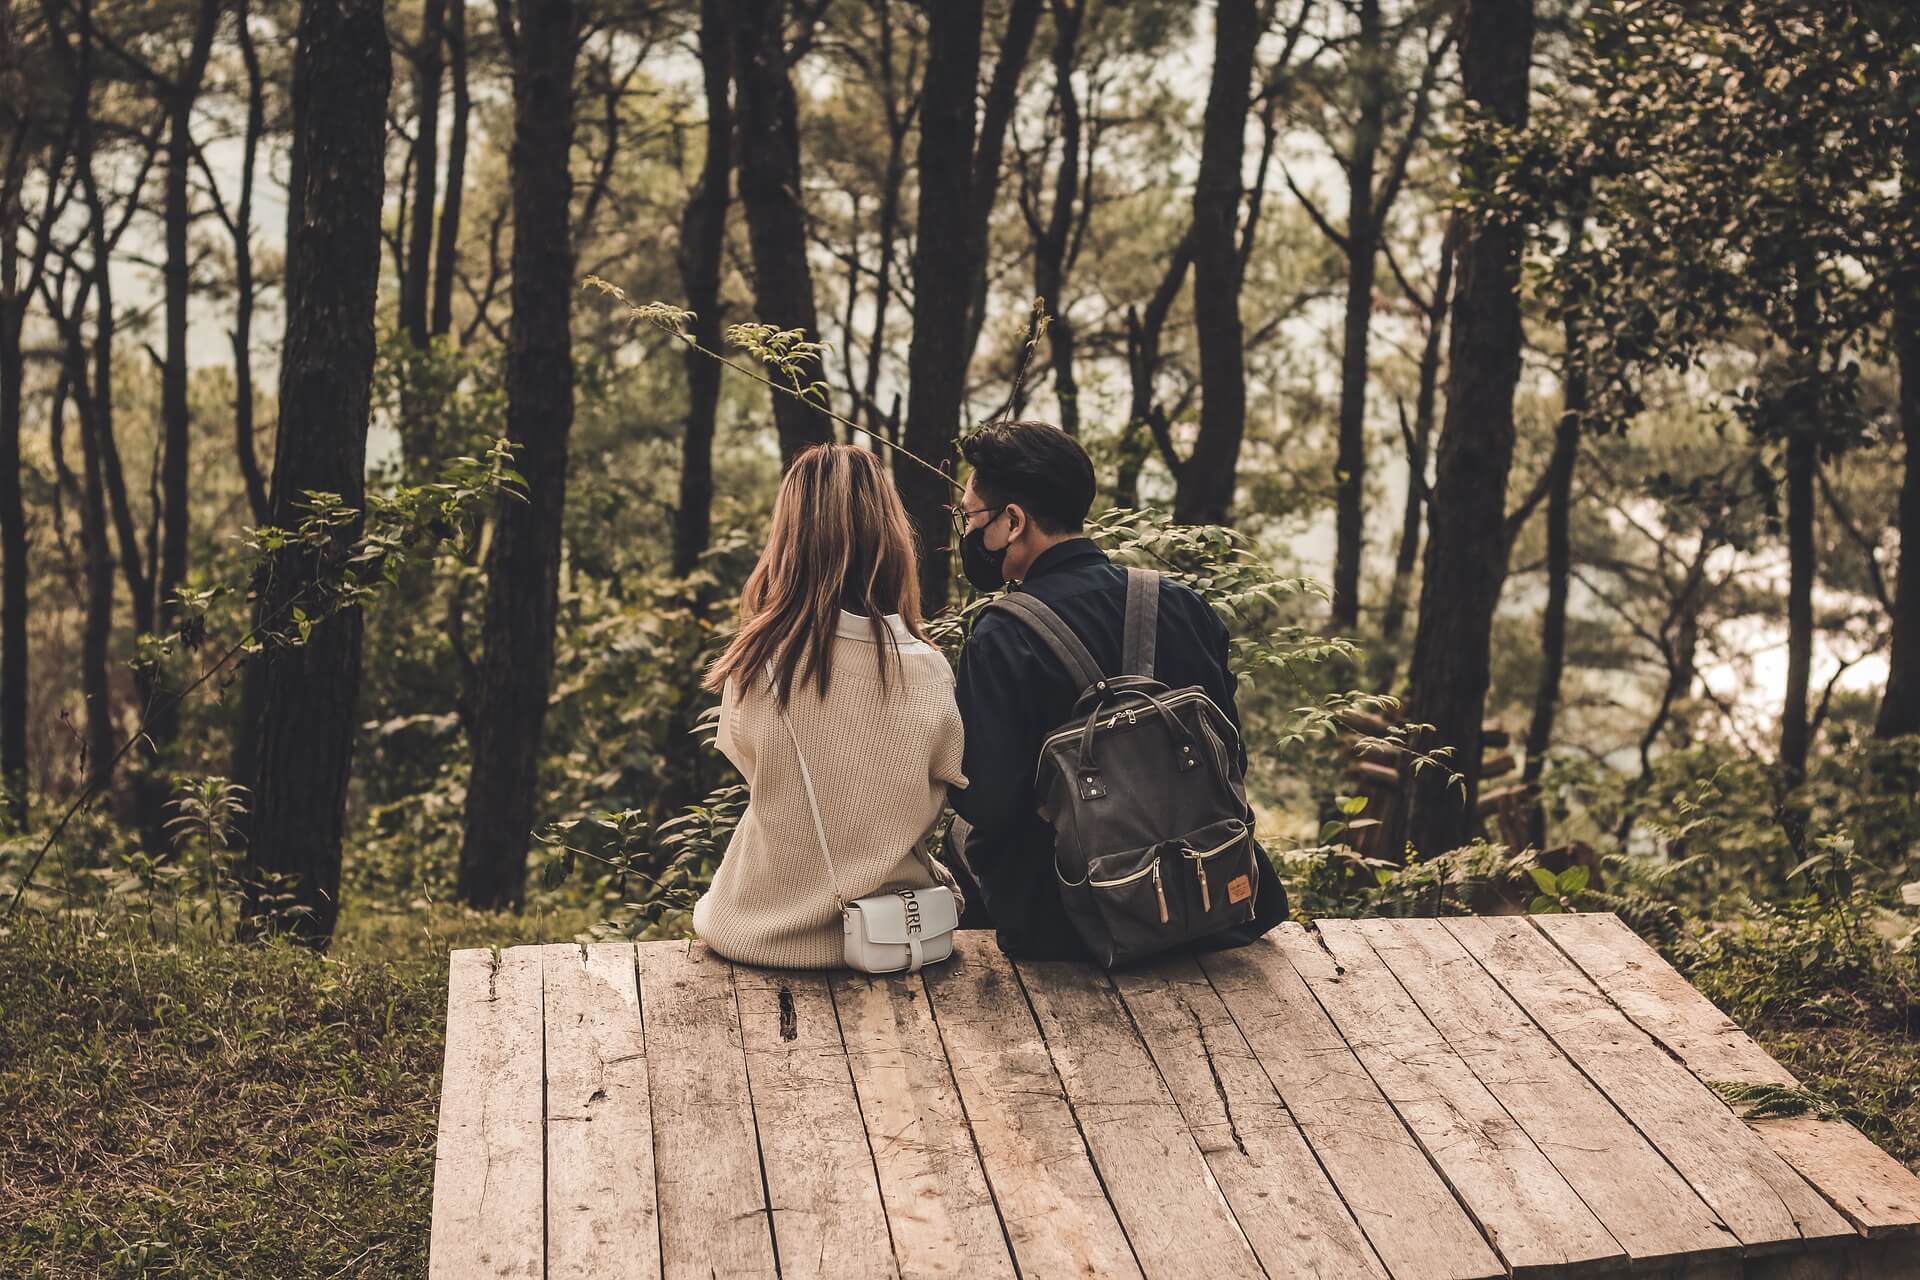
[996,113]
[1051,239]
[1803,461]
[1143,363]
[1350,463]
[1467,542]
[1203,492]
[523,562]
[1553,621]
[1900,706]
[1413,511]
[446,249]
[937,356]
[703,233]
[428,62]
[243,424]
[302,739]
[770,194]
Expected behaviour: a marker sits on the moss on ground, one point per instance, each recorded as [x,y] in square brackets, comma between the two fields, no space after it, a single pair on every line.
[178,1106]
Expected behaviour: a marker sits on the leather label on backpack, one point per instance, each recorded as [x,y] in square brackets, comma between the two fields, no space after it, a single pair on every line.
[1239,889]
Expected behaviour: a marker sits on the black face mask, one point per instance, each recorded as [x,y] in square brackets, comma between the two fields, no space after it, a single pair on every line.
[982,564]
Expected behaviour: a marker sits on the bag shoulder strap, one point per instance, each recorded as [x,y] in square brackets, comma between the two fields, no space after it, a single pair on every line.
[1057,635]
[1143,622]
[806,781]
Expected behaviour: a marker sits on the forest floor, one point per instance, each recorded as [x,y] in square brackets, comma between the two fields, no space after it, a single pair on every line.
[183,1107]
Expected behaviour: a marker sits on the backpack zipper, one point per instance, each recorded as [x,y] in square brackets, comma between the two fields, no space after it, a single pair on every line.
[1200,856]
[1151,869]
[1127,716]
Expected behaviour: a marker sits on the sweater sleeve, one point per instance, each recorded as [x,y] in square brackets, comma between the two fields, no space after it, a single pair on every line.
[949,743]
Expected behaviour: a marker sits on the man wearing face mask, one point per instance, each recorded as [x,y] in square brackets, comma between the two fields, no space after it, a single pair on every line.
[1021,520]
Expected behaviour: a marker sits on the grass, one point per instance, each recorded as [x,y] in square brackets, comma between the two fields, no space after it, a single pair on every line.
[179,1106]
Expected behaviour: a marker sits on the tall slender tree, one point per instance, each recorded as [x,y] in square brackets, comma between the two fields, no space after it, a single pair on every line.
[1466,557]
[1553,619]
[307,694]
[523,559]
[959,178]
[429,61]
[703,233]
[447,246]
[769,121]
[1204,487]
[936,360]
[1900,706]
[30,130]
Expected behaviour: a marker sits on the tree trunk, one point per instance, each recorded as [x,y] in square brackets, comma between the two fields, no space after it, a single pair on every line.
[1350,464]
[1143,363]
[243,425]
[174,465]
[1051,241]
[523,562]
[1803,460]
[1413,511]
[308,693]
[428,61]
[937,357]
[703,233]
[1467,543]
[447,252]
[160,702]
[1553,622]
[96,686]
[1900,707]
[1204,488]
[13,511]
[770,194]
[996,113]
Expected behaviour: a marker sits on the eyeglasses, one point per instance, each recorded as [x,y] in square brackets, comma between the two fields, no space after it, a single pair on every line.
[963,517]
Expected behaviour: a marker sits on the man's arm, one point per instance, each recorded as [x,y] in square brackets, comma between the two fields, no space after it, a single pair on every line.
[993,686]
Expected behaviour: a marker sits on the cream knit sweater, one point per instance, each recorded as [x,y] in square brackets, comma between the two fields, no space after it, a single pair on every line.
[881,765]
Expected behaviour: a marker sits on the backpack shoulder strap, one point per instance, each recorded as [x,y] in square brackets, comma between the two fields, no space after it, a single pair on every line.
[1056,634]
[1143,622]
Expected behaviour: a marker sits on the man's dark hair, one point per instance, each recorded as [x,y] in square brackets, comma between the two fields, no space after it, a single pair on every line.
[1036,465]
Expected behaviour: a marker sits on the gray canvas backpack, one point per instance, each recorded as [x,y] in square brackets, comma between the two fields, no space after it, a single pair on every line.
[1153,839]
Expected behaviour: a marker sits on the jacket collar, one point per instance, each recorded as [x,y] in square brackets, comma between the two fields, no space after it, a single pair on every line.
[854,626]
[1062,554]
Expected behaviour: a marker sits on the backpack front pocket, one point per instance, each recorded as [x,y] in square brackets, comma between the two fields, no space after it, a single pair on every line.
[1218,874]
[1140,910]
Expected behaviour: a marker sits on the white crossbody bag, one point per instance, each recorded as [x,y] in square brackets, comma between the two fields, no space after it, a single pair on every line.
[896,932]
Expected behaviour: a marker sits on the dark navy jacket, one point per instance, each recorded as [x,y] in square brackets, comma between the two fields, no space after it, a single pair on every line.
[1013,691]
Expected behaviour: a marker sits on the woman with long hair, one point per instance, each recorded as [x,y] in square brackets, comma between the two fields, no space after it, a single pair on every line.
[830,660]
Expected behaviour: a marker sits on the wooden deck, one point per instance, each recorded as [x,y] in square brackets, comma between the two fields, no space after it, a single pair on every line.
[1415,1099]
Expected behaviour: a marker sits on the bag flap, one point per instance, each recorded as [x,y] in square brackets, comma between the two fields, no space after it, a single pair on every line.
[908,914]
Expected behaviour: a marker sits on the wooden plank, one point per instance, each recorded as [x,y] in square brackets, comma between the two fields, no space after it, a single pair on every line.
[1158,1182]
[1291,1214]
[1753,1190]
[488,1163]
[1539,1225]
[939,1209]
[600,1204]
[1407,1211]
[1629,1186]
[1051,1203]
[1874,1191]
[827,1219]
[712,1202]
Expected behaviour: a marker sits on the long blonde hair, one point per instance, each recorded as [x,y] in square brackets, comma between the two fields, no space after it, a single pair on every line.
[840,538]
